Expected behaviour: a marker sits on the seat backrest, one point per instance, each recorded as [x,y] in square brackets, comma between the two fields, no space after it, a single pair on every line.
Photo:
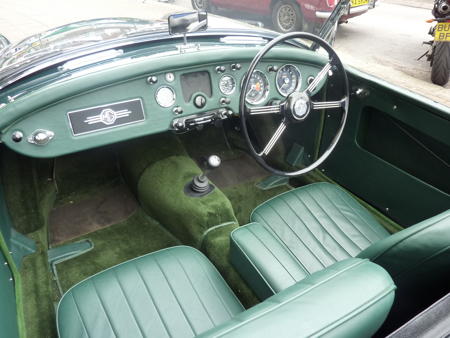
[418,259]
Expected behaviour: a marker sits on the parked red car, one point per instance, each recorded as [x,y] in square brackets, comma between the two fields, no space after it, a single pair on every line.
[287,15]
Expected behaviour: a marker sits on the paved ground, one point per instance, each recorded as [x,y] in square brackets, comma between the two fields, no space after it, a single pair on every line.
[385,42]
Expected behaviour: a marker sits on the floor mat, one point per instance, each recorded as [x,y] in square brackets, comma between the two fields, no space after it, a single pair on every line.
[236,171]
[136,236]
[247,196]
[108,207]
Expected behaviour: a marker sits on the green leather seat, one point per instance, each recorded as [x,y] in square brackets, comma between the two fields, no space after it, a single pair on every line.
[310,228]
[177,292]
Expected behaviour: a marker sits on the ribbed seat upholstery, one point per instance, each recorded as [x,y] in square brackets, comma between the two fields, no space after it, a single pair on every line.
[175,292]
[320,224]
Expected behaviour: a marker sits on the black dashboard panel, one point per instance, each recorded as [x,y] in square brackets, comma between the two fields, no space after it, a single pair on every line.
[195,82]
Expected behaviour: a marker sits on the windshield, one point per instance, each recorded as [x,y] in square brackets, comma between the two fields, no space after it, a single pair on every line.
[380,37]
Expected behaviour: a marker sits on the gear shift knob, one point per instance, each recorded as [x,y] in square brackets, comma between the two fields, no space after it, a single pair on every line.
[213,161]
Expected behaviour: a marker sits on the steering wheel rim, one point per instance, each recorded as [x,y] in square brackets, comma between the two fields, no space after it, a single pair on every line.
[288,107]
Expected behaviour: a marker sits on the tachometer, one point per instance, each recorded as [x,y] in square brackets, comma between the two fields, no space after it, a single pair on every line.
[258,88]
[288,79]
[227,84]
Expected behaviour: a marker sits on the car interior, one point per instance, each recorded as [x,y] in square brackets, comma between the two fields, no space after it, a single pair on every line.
[185,194]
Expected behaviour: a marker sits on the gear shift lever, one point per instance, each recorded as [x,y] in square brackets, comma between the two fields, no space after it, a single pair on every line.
[200,186]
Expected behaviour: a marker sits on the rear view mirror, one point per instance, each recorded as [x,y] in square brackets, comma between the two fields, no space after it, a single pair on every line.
[188,22]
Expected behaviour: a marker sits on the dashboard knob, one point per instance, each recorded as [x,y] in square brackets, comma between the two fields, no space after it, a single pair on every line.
[177,110]
[224,100]
[220,69]
[273,68]
[17,136]
[236,66]
[200,101]
[152,79]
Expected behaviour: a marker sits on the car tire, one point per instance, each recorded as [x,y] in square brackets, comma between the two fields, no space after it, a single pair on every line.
[287,17]
[201,5]
[440,67]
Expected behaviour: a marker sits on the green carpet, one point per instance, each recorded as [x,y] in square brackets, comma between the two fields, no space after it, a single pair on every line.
[37,290]
[246,197]
[136,236]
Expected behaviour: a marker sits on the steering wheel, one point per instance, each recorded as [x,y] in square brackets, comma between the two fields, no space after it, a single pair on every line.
[297,106]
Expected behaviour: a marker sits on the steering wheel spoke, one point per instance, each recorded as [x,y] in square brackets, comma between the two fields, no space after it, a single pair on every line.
[274,139]
[320,76]
[328,104]
[265,110]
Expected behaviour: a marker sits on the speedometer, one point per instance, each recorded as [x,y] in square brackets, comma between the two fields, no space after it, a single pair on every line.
[258,88]
[288,79]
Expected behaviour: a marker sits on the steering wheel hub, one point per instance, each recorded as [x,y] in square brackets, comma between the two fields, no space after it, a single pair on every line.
[299,106]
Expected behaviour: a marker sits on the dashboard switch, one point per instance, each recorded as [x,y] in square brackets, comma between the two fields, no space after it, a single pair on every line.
[273,68]
[236,66]
[224,100]
[177,110]
[200,101]
[220,69]
[152,79]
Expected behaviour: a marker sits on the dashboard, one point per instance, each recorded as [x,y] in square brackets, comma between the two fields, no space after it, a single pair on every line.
[179,99]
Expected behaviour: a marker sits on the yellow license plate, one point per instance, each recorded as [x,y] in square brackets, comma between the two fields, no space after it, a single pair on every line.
[442,31]
[356,3]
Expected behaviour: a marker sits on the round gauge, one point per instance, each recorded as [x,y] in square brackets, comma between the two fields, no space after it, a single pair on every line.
[288,79]
[165,96]
[258,88]
[227,84]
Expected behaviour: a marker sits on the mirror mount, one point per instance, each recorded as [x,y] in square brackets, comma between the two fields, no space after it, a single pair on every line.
[184,23]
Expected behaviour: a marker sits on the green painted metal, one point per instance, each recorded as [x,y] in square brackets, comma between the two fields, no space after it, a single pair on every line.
[8,309]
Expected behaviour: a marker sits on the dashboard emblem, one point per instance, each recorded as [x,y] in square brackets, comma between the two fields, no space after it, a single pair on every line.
[107,116]
[111,115]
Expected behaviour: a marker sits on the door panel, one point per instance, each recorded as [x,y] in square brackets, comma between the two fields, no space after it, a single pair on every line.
[394,153]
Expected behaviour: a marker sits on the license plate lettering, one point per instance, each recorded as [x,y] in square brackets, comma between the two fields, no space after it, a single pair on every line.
[442,31]
[356,3]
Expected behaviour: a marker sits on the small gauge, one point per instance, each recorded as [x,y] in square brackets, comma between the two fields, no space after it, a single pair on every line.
[288,79]
[258,88]
[165,96]
[227,84]
[170,77]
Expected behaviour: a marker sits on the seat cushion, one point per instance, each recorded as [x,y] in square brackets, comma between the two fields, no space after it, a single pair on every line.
[175,292]
[320,224]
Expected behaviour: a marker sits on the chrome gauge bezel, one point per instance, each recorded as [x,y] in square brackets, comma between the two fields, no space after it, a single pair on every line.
[158,99]
[234,84]
[266,93]
[299,80]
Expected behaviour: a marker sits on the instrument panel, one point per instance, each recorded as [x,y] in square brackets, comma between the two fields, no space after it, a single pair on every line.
[178,99]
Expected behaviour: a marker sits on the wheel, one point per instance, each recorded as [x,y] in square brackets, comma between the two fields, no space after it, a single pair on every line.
[440,67]
[297,106]
[201,5]
[286,17]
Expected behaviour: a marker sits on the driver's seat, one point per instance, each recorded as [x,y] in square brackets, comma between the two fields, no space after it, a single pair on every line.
[307,229]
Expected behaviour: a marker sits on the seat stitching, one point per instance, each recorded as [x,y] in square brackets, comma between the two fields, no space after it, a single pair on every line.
[311,232]
[152,300]
[193,288]
[271,252]
[351,222]
[176,298]
[296,235]
[127,302]
[364,220]
[336,224]
[103,307]
[214,287]
[298,295]
[79,314]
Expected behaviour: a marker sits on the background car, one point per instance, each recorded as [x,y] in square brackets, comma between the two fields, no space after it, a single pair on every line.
[286,15]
